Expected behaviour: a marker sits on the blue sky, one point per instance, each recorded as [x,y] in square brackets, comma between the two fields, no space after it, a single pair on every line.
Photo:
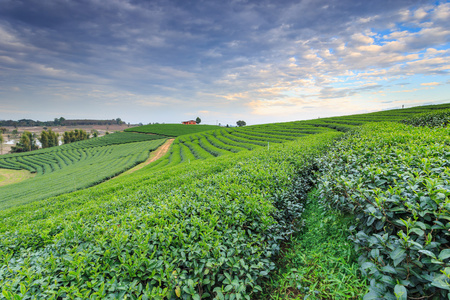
[260,61]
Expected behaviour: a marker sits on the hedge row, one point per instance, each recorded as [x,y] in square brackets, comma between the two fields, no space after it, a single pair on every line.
[396,180]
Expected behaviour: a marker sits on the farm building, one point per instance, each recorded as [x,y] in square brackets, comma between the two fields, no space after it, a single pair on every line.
[190,122]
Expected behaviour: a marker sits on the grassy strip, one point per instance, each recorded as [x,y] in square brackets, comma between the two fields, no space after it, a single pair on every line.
[13,176]
[319,262]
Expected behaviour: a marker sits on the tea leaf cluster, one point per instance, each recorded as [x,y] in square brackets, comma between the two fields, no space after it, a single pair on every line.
[440,118]
[396,180]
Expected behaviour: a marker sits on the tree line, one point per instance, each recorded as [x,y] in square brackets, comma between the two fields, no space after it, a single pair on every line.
[59,122]
[49,139]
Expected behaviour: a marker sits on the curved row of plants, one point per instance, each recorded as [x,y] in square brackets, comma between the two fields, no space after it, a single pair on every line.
[396,180]
[67,169]
[211,228]
[207,229]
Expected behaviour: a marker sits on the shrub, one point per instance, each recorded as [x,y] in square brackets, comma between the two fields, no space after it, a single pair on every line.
[396,180]
[439,118]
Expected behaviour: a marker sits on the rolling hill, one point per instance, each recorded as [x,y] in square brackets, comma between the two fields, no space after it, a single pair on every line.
[210,219]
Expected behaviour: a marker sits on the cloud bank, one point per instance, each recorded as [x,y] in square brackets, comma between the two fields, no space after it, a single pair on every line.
[262,61]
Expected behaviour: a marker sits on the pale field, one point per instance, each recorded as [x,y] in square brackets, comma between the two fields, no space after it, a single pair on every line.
[13,176]
[8,137]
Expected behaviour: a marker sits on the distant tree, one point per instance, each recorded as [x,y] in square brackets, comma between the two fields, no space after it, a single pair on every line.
[198,120]
[106,132]
[241,123]
[74,136]
[25,144]
[53,139]
[94,133]
[61,120]
[15,132]
[43,138]
[119,121]
[1,143]
[3,130]
[48,139]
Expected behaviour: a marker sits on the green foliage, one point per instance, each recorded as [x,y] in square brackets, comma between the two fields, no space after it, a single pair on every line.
[48,139]
[189,228]
[94,133]
[396,180]
[75,136]
[171,129]
[198,120]
[241,123]
[319,261]
[201,230]
[440,118]
[74,166]
[26,143]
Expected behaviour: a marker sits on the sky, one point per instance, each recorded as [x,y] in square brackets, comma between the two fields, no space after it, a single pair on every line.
[259,61]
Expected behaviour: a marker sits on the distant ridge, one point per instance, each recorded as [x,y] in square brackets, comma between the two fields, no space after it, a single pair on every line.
[59,121]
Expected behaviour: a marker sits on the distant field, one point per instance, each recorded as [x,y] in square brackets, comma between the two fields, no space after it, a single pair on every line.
[74,166]
[172,129]
[223,141]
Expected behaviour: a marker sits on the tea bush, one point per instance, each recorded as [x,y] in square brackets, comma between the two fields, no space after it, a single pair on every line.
[66,169]
[396,180]
[208,229]
[440,118]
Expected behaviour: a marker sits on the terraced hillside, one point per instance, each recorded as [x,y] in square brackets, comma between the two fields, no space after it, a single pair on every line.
[171,130]
[208,220]
[223,141]
[74,166]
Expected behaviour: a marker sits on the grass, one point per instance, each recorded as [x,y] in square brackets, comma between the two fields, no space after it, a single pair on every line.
[319,262]
[13,176]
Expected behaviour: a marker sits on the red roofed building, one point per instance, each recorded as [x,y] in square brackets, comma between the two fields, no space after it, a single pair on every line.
[190,122]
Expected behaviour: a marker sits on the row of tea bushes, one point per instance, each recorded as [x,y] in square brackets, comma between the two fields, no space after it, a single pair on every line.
[439,118]
[208,229]
[396,180]
[67,169]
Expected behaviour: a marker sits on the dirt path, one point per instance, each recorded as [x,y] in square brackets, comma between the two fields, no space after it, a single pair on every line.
[155,155]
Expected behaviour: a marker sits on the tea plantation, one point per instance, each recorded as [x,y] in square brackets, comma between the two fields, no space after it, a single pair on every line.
[171,130]
[210,219]
[74,166]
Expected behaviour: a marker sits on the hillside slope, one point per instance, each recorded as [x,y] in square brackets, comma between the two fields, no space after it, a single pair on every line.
[206,221]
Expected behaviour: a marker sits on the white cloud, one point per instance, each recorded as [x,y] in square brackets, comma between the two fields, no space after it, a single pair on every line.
[431,83]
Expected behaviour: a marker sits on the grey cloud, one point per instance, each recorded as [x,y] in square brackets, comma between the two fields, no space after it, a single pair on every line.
[176,49]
